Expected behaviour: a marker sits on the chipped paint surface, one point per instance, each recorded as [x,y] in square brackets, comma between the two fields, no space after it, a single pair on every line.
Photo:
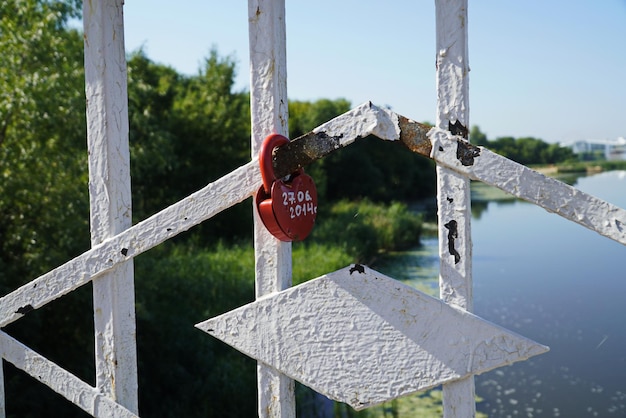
[363,338]
[452,62]
[243,182]
[110,197]
[453,196]
[205,203]
[88,398]
[366,119]
[553,195]
[3,410]
[269,112]
[355,335]
[453,190]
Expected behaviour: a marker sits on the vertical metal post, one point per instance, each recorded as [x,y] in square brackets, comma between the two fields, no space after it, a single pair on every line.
[453,193]
[110,197]
[268,102]
[3,410]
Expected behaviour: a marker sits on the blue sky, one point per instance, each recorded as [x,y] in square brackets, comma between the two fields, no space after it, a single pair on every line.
[551,69]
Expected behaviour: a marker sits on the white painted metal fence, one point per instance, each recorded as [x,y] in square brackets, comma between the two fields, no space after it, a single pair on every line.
[115,242]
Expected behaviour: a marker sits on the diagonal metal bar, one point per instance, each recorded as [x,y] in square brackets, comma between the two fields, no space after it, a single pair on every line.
[364,120]
[229,190]
[194,209]
[88,398]
[455,153]
[451,151]
[478,163]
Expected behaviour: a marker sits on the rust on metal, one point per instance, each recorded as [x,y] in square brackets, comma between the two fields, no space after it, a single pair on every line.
[414,136]
[302,151]
[312,146]
[466,152]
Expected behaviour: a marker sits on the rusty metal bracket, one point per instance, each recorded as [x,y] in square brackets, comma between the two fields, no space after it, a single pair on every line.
[454,152]
[327,138]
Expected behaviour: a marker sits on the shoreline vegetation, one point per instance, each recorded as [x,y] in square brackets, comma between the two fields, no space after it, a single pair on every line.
[581,167]
[184,131]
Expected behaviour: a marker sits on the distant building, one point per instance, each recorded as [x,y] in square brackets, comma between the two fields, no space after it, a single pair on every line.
[617,150]
[611,149]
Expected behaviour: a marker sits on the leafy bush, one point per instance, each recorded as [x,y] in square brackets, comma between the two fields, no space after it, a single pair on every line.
[363,228]
[314,260]
[185,131]
[526,150]
[183,371]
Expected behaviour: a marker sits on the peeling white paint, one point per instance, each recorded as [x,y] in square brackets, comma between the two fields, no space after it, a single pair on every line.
[453,193]
[116,251]
[110,197]
[88,398]
[366,119]
[269,112]
[244,182]
[453,105]
[179,217]
[363,338]
[3,410]
[452,62]
[205,203]
[520,181]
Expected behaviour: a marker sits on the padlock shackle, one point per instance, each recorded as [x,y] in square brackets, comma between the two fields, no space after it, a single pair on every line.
[265,159]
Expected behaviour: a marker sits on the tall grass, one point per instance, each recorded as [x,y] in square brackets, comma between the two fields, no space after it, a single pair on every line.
[363,229]
[183,371]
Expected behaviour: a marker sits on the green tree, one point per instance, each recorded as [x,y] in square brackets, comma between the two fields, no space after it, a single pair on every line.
[212,123]
[530,150]
[304,116]
[525,150]
[380,170]
[42,131]
[369,168]
[213,138]
[556,153]
[186,131]
[152,91]
[477,137]
[44,212]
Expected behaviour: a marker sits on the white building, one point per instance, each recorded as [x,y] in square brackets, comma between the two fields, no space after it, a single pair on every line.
[612,149]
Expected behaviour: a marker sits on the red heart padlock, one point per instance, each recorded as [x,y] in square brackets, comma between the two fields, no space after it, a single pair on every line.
[287,208]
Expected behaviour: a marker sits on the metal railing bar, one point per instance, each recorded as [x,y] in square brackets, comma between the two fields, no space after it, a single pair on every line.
[448,150]
[86,397]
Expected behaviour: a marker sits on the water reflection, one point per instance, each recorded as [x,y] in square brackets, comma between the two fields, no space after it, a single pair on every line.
[562,285]
[418,268]
[555,282]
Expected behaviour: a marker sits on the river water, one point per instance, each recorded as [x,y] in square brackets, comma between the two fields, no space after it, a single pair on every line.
[552,281]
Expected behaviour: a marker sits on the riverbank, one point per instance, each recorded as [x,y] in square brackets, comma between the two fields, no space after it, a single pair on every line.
[582,167]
